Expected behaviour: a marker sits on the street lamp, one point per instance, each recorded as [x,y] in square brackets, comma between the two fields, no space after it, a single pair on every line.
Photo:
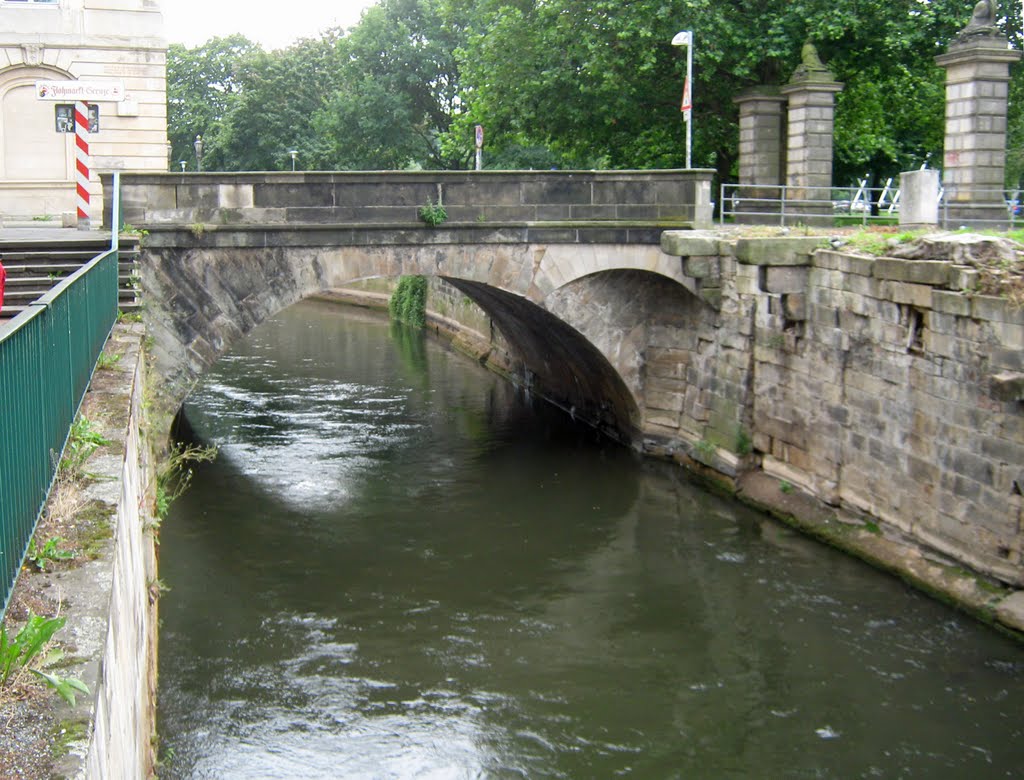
[294,153]
[198,146]
[182,163]
[685,38]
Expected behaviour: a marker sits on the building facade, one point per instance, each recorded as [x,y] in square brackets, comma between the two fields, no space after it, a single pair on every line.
[118,43]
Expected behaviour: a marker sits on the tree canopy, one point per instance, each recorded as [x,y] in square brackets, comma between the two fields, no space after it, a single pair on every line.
[566,83]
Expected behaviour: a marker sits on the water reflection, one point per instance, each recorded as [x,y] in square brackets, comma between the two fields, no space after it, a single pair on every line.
[400,568]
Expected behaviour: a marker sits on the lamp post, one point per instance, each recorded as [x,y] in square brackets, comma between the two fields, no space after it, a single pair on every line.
[294,153]
[182,163]
[685,38]
[198,146]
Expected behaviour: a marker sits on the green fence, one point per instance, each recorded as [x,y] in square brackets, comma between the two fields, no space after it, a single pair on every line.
[47,356]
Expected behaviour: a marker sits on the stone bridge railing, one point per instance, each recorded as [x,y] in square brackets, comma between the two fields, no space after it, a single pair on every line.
[339,209]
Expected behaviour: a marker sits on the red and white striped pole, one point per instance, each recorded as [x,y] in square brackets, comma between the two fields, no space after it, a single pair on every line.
[82,162]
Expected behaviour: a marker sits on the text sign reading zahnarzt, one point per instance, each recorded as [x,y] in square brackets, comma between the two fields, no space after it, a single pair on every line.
[90,91]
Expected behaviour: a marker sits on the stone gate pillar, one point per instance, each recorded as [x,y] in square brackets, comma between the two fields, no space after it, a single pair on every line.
[810,95]
[977,67]
[762,153]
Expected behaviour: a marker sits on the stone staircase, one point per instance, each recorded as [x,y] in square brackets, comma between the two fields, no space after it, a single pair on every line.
[34,267]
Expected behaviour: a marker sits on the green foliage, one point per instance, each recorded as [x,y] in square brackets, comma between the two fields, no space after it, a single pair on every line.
[433,214]
[566,83]
[107,361]
[25,652]
[785,486]
[175,474]
[705,449]
[50,551]
[744,444]
[408,303]
[83,441]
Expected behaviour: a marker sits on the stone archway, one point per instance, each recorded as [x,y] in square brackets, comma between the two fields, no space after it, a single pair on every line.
[37,164]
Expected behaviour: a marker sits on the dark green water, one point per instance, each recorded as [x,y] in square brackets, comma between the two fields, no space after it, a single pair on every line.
[398,567]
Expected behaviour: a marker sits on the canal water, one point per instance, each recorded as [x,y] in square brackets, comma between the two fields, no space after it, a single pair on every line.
[399,567]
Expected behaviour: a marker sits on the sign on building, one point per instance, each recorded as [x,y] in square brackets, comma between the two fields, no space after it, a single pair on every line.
[107,91]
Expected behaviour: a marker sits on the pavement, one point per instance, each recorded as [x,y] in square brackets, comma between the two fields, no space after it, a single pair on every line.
[43,232]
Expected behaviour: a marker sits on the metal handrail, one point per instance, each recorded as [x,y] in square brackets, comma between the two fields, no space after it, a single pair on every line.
[47,357]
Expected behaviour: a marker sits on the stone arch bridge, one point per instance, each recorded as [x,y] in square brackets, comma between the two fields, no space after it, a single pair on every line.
[889,386]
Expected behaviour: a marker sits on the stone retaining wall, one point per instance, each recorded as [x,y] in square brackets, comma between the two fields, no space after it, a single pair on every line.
[880,385]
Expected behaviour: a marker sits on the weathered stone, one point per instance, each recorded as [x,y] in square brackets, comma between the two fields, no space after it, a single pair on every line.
[701,267]
[1010,611]
[783,250]
[785,279]
[713,296]
[794,306]
[990,307]
[840,261]
[948,302]
[689,243]
[1008,386]
[917,271]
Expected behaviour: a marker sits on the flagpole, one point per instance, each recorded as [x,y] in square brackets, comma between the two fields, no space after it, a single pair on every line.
[689,110]
[685,38]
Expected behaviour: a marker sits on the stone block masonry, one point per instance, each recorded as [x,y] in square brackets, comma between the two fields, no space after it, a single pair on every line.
[877,385]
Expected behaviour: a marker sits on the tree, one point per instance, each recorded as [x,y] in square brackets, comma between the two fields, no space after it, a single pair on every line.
[202,84]
[600,79]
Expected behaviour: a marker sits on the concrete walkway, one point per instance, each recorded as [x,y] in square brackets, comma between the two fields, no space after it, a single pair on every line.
[43,233]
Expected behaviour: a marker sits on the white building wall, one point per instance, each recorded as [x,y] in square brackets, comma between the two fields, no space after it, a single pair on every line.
[77,40]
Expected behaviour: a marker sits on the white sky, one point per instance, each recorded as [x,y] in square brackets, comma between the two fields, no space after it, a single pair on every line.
[273,24]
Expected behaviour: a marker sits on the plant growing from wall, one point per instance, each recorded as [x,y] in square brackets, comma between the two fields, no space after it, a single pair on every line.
[175,475]
[408,303]
[433,213]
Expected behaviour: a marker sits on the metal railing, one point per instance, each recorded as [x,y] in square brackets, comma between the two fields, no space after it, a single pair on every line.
[779,204]
[993,208]
[47,357]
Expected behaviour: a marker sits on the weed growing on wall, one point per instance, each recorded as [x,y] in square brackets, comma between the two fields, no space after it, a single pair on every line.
[175,475]
[83,440]
[433,214]
[408,303]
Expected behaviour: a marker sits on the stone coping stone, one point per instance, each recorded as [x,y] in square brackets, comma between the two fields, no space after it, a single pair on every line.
[689,243]
[781,250]
[933,272]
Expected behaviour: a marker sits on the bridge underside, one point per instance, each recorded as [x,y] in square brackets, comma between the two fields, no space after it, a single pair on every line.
[578,321]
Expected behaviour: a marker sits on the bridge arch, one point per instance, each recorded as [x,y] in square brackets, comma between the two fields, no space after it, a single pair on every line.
[573,317]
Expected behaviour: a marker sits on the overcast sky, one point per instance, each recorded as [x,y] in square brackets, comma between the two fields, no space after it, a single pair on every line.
[274,25]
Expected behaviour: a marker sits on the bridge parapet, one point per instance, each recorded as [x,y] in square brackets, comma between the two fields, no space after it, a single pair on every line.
[607,206]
